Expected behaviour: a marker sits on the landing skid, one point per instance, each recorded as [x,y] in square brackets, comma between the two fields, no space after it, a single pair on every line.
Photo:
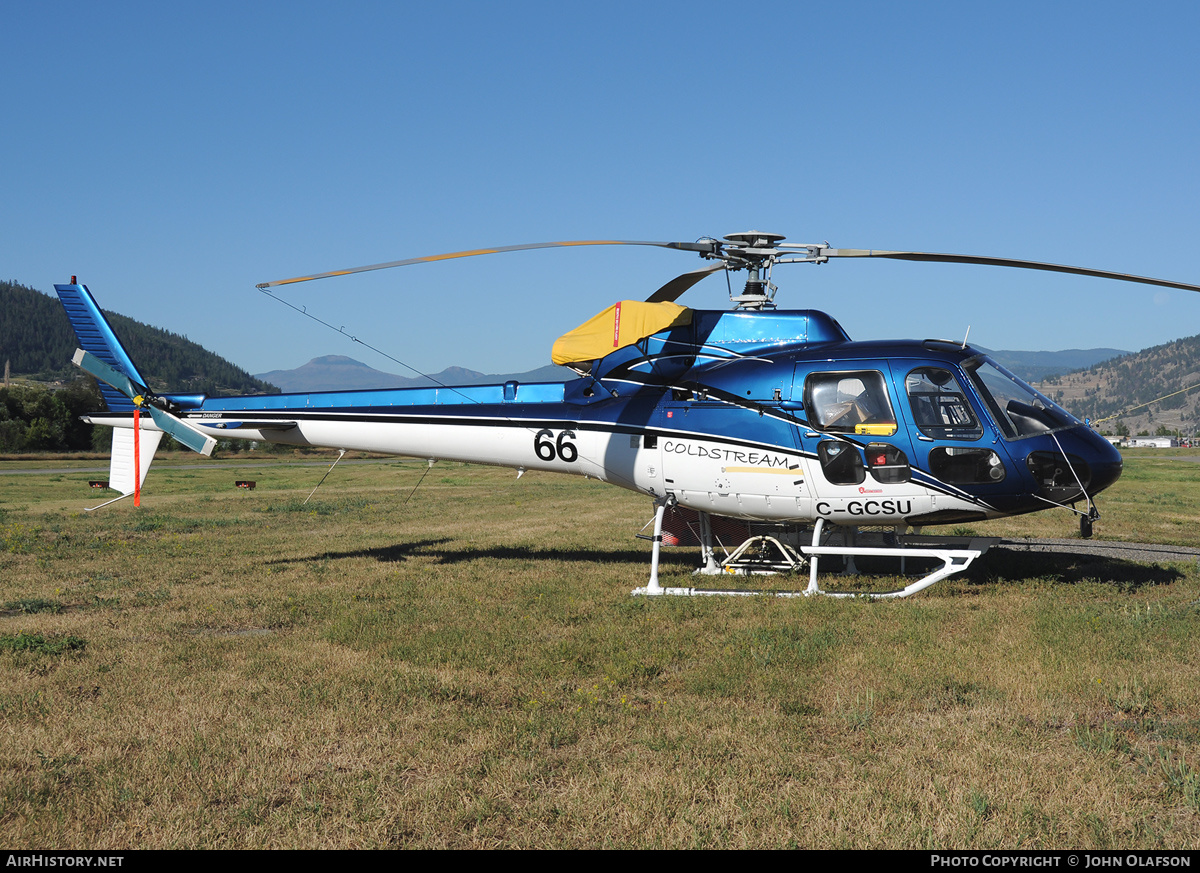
[954,560]
[767,554]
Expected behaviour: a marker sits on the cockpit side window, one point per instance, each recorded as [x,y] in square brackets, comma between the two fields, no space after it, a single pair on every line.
[939,405]
[855,402]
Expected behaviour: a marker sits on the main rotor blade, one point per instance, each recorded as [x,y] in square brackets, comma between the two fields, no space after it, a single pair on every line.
[1004,262]
[674,289]
[687,247]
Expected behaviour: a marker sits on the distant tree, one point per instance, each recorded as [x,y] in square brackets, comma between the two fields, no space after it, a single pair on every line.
[35,419]
[12,435]
[80,397]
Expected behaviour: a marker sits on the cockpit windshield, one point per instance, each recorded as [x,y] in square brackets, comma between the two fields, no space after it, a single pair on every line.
[1019,410]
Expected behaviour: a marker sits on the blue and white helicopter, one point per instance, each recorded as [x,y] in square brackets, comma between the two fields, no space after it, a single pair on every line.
[766,426]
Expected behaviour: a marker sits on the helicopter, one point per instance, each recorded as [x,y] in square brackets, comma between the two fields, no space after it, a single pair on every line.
[767,428]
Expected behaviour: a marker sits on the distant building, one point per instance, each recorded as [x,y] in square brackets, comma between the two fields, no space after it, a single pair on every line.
[1154,442]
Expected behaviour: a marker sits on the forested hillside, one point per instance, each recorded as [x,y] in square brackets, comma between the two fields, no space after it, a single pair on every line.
[1113,386]
[37,342]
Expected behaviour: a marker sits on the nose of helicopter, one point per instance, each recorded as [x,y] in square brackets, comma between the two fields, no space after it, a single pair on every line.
[1091,460]
[1106,465]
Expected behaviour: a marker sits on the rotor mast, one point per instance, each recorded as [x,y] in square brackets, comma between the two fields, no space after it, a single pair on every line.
[755,252]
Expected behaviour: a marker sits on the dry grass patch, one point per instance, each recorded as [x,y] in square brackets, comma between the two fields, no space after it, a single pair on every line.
[470,671]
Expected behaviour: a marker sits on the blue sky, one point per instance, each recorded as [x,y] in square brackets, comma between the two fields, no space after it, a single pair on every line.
[174,156]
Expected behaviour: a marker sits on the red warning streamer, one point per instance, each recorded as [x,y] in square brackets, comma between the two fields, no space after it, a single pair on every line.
[137,457]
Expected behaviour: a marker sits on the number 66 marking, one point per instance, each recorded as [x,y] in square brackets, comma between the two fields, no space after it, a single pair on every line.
[562,447]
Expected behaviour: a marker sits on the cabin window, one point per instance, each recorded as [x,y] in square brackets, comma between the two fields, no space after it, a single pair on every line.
[841,463]
[855,402]
[966,466]
[939,405]
[887,464]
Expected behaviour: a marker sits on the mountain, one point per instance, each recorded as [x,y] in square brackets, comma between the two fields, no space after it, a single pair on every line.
[1115,385]
[37,341]
[1035,366]
[340,373]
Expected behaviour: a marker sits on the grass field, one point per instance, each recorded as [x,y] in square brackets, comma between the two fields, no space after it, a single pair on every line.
[231,668]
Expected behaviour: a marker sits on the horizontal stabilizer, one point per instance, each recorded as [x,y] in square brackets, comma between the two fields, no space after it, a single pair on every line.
[251,425]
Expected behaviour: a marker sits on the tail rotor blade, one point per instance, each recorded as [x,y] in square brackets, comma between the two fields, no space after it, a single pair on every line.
[194,439]
[105,373]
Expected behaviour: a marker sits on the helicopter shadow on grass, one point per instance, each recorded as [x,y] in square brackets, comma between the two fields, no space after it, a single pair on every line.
[400,552]
[1008,565]
[384,554]
[997,566]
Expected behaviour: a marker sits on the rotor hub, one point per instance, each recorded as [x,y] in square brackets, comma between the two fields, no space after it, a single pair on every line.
[755,239]
[753,250]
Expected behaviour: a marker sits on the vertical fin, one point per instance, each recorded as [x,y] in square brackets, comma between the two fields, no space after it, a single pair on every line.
[95,335]
[121,467]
